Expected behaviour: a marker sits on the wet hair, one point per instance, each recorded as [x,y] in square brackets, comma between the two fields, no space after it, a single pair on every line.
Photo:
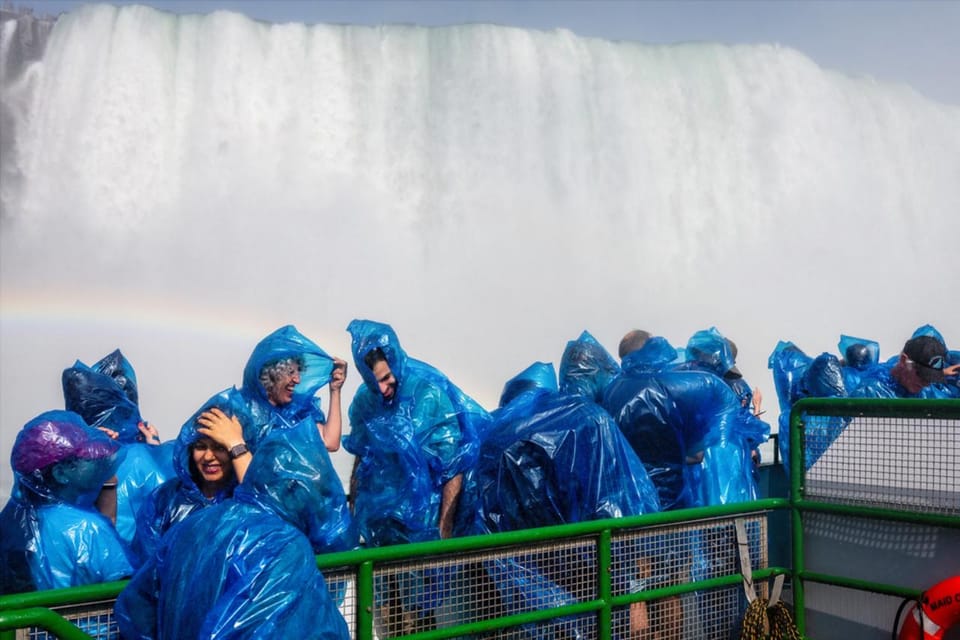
[633,341]
[272,372]
[374,356]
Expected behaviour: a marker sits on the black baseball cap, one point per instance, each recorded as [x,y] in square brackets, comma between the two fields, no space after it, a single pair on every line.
[930,356]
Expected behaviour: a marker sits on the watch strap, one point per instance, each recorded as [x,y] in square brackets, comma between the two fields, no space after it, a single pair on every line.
[239,450]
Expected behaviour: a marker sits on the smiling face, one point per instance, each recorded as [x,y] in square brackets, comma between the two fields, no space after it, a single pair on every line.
[280,380]
[213,465]
[385,379]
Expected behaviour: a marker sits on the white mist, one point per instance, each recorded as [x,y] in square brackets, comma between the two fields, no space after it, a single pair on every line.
[178,187]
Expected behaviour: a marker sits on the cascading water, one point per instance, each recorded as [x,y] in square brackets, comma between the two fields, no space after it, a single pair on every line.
[180,186]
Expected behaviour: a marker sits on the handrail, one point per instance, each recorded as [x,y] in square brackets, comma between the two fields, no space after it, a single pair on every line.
[32,608]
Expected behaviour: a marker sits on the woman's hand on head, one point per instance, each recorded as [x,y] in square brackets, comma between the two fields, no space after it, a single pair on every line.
[221,428]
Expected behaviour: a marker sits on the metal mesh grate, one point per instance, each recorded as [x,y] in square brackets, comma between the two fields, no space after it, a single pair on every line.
[648,559]
[909,464]
[475,587]
[93,618]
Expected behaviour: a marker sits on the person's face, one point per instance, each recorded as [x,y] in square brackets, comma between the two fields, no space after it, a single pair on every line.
[905,372]
[212,461]
[82,474]
[385,379]
[281,392]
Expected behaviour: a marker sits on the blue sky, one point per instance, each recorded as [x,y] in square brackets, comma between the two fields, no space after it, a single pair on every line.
[893,41]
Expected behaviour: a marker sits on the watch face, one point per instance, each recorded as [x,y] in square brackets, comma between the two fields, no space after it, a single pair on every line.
[238,451]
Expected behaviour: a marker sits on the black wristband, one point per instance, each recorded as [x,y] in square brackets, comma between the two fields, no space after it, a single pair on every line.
[238,451]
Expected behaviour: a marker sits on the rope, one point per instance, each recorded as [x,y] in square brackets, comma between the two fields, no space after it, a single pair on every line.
[758,617]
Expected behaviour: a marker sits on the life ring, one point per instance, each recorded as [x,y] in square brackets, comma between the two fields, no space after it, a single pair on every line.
[939,610]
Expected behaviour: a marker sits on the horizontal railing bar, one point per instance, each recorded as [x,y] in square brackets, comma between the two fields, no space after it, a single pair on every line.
[44,618]
[861,585]
[887,408]
[877,513]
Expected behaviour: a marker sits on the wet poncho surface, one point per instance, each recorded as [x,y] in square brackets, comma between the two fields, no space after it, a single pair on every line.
[550,459]
[179,497]
[407,447]
[316,369]
[669,415]
[52,537]
[105,395]
[244,568]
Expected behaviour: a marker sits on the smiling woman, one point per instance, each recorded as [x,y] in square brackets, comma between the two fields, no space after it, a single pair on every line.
[210,466]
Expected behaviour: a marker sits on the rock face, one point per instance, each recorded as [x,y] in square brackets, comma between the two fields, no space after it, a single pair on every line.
[23,39]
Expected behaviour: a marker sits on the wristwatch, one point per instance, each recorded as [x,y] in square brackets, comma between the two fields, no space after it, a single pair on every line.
[239,450]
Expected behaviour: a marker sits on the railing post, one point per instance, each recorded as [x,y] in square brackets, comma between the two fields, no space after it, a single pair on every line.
[365,601]
[797,471]
[604,571]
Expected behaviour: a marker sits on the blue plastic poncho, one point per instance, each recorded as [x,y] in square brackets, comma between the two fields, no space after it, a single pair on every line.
[669,416]
[415,442]
[52,535]
[586,368]
[548,459]
[244,568]
[316,368]
[179,497]
[857,356]
[558,458]
[726,473]
[879,382]
[797,376]
[539,375]
[105,395]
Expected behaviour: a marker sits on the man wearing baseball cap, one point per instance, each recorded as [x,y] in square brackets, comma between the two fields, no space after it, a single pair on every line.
[921,364]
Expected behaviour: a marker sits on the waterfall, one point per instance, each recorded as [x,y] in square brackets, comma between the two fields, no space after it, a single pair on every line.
[179,186]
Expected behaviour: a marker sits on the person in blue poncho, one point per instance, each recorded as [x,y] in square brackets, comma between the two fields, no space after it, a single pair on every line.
[206,474]
[919,372]
[244,568]
[280,382]
[52,537]
[105,395]
[728,470]
[554,458]
[670,417]
[413,434]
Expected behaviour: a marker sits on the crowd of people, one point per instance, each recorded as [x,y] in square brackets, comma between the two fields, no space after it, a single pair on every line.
[99,497]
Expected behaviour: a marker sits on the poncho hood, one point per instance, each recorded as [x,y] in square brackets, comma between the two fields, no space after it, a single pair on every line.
[287,342]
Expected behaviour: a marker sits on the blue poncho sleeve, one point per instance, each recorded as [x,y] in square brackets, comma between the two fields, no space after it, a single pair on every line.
[144,468]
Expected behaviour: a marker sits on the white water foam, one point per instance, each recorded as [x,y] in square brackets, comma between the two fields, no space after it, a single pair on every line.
[179,186]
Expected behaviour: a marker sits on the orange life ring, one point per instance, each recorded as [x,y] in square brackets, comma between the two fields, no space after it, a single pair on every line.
[939,610]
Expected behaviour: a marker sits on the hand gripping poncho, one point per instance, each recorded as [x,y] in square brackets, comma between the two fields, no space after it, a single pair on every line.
[105,395]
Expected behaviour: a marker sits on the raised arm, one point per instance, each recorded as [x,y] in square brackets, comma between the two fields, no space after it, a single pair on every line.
[331,431]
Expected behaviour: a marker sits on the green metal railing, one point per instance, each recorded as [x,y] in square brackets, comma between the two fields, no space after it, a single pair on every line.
[36,609]
[803,410]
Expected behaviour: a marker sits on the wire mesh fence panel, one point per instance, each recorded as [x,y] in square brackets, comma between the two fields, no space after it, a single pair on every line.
[476,587]
[93,618]
[480,587]
[655,558]
[898,463]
